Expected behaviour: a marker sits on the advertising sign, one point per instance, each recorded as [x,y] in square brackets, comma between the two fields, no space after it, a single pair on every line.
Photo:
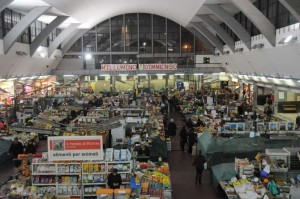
[158,66]
[75,148]
[118,67]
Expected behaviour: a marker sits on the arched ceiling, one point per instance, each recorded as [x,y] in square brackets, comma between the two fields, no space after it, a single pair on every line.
[91,12]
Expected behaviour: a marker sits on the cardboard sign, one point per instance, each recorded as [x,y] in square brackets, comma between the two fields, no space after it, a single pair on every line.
[75,148]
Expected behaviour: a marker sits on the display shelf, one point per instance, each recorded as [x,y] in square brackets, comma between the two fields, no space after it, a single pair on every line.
[65,174]
[95,183]
[44,174]
[94,173]
[37,184]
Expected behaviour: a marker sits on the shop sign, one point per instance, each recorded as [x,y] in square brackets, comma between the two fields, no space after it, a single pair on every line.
[158,66]
[118,67]
[75,148]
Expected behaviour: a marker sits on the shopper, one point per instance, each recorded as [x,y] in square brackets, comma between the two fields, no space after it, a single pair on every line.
[16,148]
[172,128]
[199,165]
[114,179]
[143,151]
[183,138]
[30,148]
[192,139]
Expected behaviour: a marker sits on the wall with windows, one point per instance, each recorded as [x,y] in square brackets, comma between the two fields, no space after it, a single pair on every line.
[10,18]
[138,38]
[272,9]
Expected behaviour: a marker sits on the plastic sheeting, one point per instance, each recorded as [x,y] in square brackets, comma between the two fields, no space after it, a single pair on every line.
[223,171]
[219,150]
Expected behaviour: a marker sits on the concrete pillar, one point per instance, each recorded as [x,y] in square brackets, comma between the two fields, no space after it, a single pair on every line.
[111,79]
[276,97]
[254,96]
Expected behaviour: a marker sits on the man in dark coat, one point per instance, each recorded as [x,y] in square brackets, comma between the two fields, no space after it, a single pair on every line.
[192,139]
[16,148]
[183,138]
[172,128]
[114,180]
[199,165]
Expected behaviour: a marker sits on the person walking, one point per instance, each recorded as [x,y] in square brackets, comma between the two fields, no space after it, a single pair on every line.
[192,139]
[199,165]
[183,138]
[172,128]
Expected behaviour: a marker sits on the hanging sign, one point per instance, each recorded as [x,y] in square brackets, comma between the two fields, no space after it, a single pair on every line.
[158,66]
[118,67]
[75,148]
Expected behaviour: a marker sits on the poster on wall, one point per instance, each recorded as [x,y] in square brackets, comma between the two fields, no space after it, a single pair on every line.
[281,95]
[75,148]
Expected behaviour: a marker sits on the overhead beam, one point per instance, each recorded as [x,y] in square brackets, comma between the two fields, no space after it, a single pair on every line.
[62,37]
[21,26]
[262,23]
[231,22]
[219,30]
[68,44]
[207,43]
[4,4]
[45,33]
[209,36]
[293,6]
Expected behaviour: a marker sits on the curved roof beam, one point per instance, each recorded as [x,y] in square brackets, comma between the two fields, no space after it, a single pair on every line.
[20,27]
[45,33]
[63,36]
[4,4]
[219,30]
[68,44]
[262,23]
[293,6]
[206,42]
[230,21]
[206,33]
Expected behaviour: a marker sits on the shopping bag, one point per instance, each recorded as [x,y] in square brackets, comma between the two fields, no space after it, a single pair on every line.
[194,150]
[205,165]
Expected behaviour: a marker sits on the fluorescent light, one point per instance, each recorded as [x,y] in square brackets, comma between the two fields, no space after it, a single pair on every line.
[198,73]
[2,80]
[141,74]
[160,74]
[123,74]
[43,76]
[104,75]
[68,75]
[288,39]
[11,79]
[299,81]
[24,78]
[88,56]
[33,77]
[216,74]
[43,55]
[39,49]
[179,74]
[54,82]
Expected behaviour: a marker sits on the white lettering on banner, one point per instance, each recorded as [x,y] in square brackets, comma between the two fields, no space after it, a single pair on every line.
[118,67]
[75,148]
[158,66]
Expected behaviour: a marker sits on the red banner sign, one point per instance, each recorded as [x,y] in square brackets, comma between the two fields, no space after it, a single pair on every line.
[158,66]
[118,67]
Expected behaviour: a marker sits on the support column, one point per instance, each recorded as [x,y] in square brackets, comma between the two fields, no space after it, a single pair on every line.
[111,80]
[275,102]
[254,96]
[167,83]
[149,78]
